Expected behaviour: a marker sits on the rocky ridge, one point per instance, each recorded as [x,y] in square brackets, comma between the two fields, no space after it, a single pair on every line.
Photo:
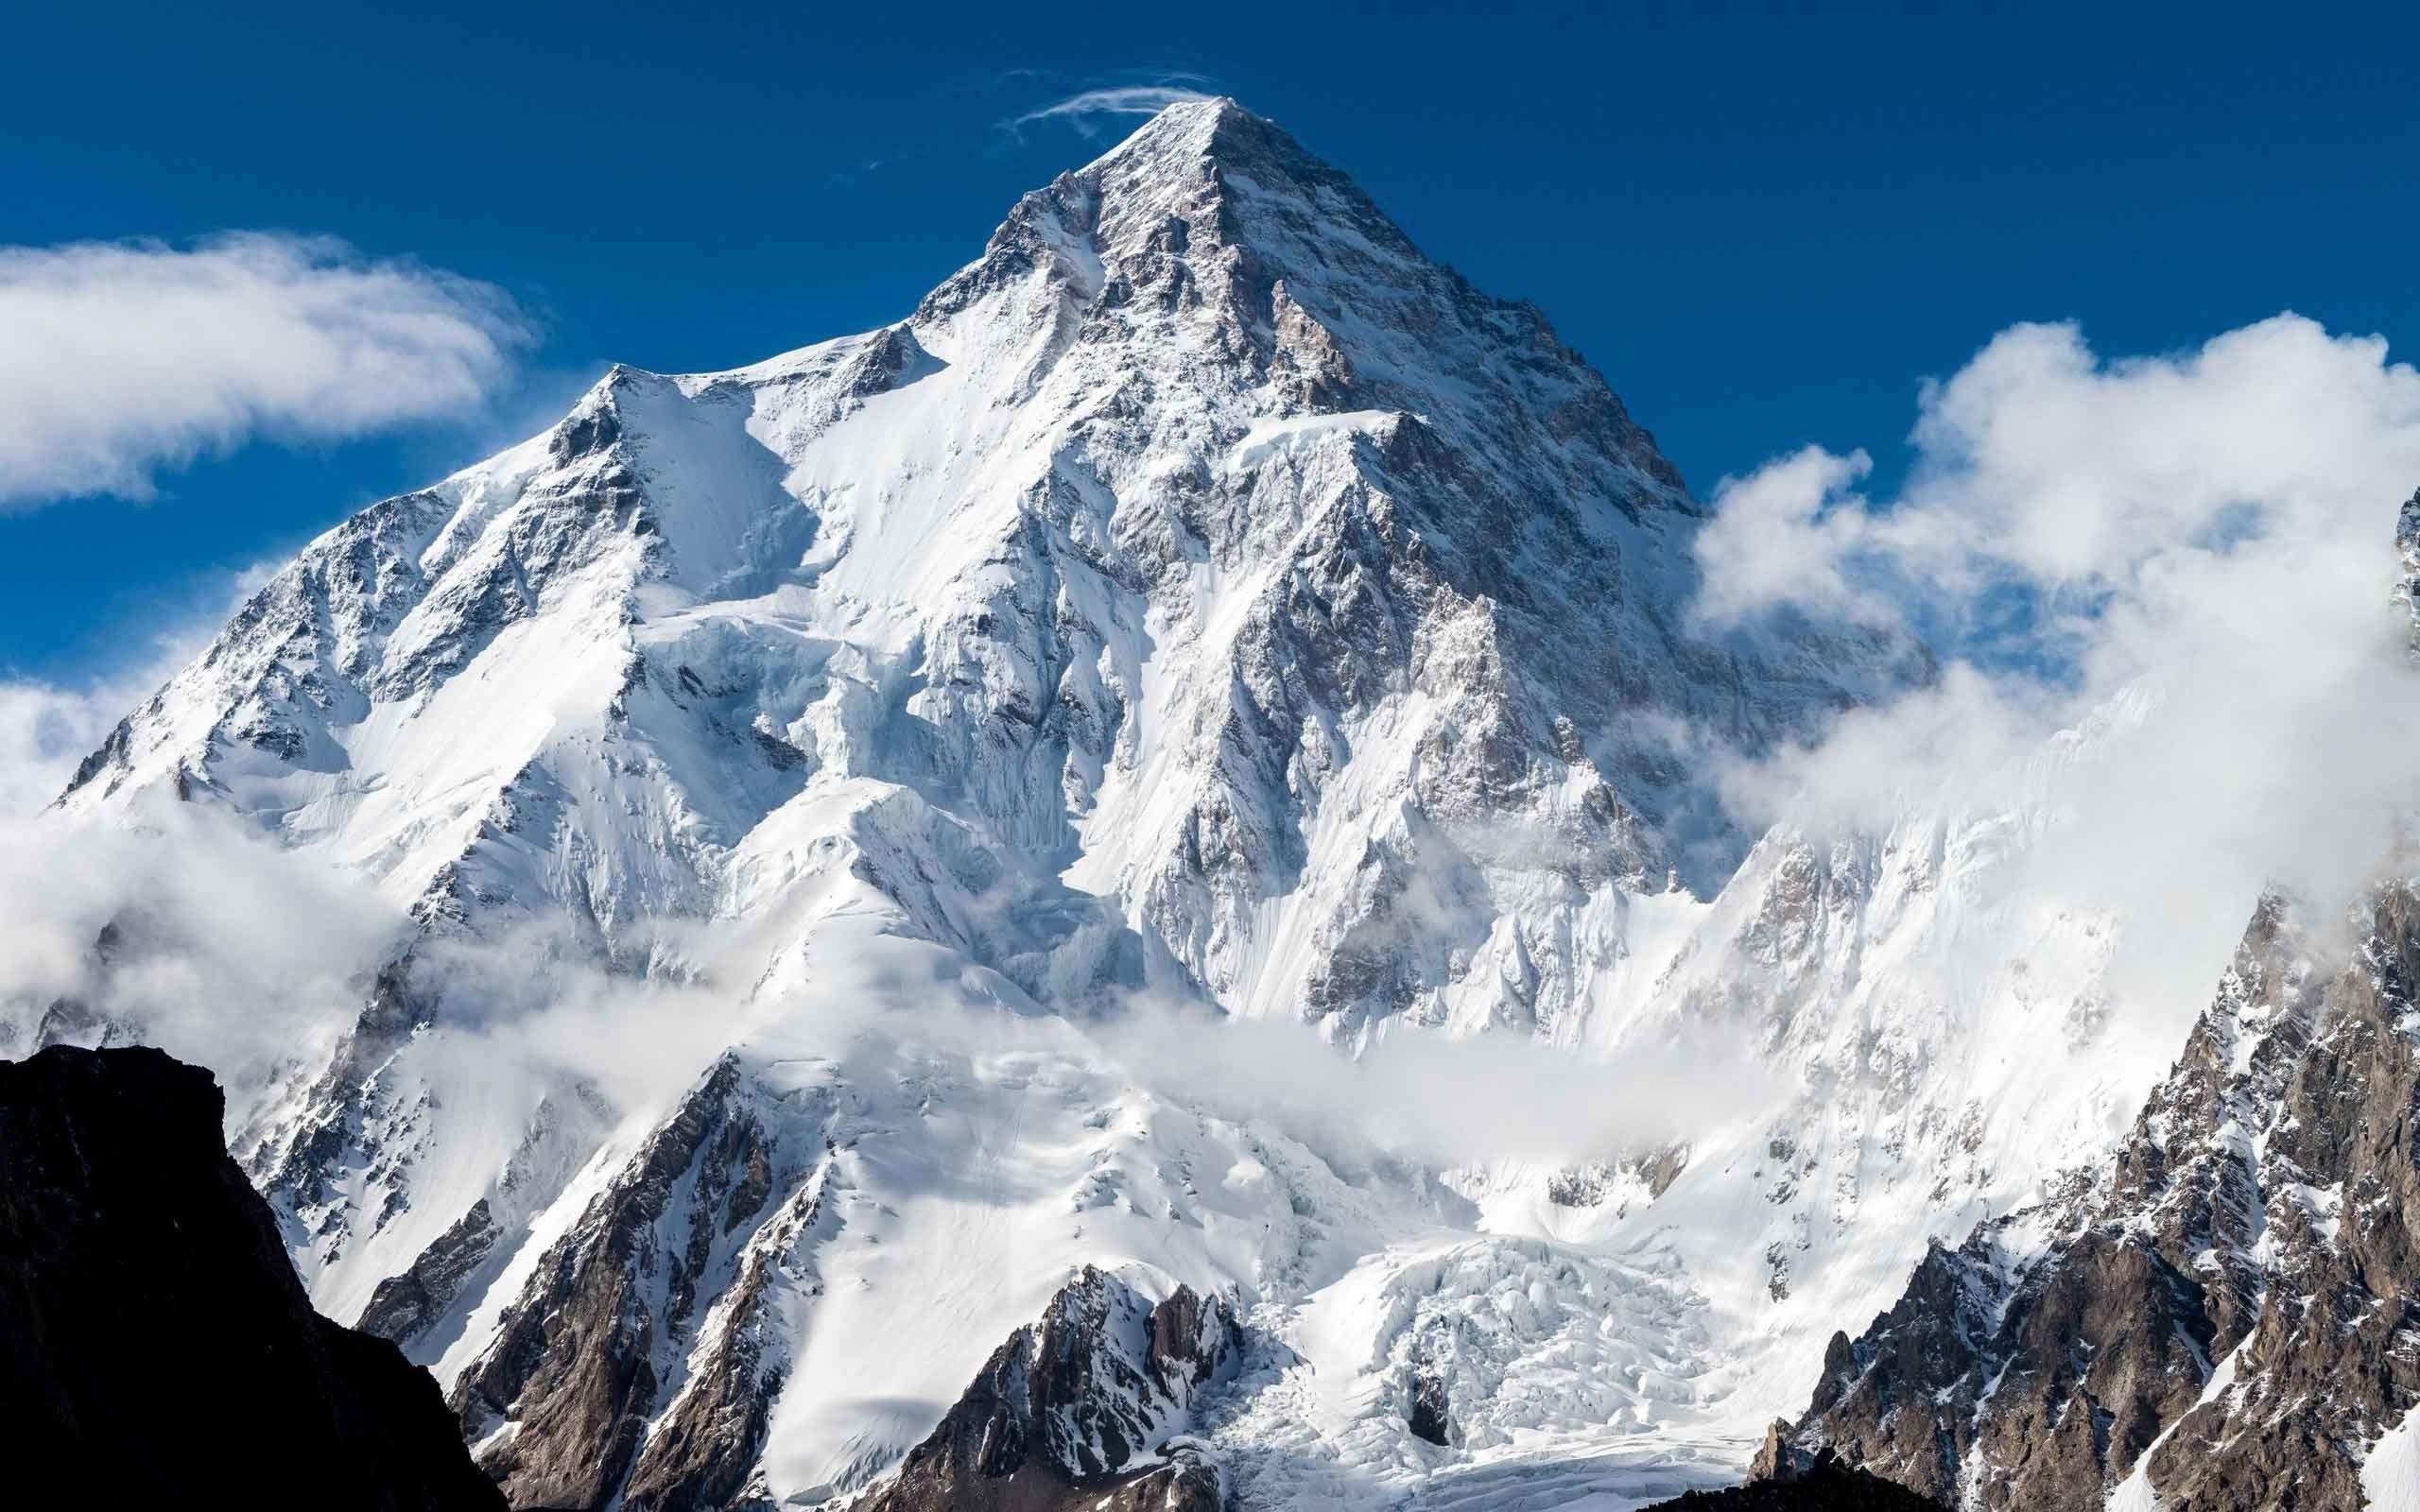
[1082,1410]
[2229,1310]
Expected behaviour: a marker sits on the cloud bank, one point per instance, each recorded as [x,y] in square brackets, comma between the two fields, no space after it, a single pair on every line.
[127,358]
[250,957]
[1444,1101]
[223,949]
[2183,562]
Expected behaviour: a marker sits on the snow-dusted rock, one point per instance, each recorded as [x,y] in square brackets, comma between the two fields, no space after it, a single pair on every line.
[1082,1409]
[2225,1311]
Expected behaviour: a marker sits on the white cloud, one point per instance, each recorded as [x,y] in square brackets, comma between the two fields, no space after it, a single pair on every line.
[1086,108]
[232,952]
[124,358]
[2186,557]
[44,731]
[1445,1101]
[252,957]
[2043,469]
[49,726]
[1789,533]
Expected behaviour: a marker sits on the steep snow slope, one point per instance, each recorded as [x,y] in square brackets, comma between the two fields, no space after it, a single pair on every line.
[1954,1042]
[1203,598]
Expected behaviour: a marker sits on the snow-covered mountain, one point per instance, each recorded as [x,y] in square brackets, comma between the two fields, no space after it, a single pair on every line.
[1202,602]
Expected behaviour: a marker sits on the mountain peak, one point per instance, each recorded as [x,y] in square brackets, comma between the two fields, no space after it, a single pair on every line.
[1208,145]
[1214,220]
[1204,126]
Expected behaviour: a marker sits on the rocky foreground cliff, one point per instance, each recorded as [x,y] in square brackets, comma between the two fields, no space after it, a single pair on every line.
[156,1349]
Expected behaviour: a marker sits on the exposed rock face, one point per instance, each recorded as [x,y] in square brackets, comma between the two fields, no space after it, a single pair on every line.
[1075,1411]
[70,1019]
[156,1348]
[707,1443]
[424,1307]
[1431,1412]
[404,1304]
[599,1340]
[2230,1312]
[303,1161]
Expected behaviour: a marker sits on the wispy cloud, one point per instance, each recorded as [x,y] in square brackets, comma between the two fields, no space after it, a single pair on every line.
[127,358]
[857,172]
[1087,108]
[234,950]
[1441,1099]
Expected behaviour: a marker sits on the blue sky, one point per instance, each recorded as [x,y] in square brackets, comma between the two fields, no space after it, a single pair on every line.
[1765,225]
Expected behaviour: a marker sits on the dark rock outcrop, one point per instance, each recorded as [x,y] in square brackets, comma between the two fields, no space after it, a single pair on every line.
[404,1304]
[1431,1414]
[1823,1486]
[1077,1410]
[156,1348]
[702,1453]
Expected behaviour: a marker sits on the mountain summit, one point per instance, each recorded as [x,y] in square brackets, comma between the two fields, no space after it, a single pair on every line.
[1199,496]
